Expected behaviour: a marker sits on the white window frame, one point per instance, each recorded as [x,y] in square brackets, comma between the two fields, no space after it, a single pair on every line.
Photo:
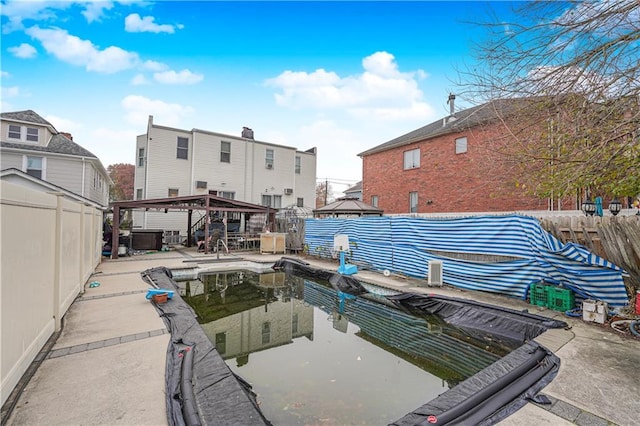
[139,194]
[274,201]
[300,202]
[413,202]
[411,159]
[37,134]
[461,145]
[170,190]
[140,157]
[298,164]
[225,155]
[43,165]
[269,158]
[374,200]
[182,150]
[230,195]
[23,133]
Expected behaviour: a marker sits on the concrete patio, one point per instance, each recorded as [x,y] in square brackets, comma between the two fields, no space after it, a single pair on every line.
[107,366]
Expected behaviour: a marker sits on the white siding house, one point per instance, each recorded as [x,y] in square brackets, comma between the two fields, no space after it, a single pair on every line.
[30,143]
[174,162]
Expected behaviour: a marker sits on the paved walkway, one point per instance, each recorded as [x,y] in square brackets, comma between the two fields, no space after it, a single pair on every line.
[107,366]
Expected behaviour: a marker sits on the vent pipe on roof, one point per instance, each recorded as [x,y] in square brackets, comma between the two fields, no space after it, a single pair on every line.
[247,133]
[451,102]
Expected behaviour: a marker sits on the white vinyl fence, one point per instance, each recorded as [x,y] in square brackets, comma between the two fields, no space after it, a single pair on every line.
[50,244]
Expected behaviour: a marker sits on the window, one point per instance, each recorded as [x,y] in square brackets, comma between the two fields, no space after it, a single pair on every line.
[300,202]
[413,202]
[14,132]
[294,323]
[221,343]
[269,159]
[140,157]
[32,134]
[374,200]
[274,201]
[201,184]
[297,164]
[461,145]
[138,194]
[35,167]
[183,148]
[173,192]
[412,159]
[225,152]
[227,194]
[266,332]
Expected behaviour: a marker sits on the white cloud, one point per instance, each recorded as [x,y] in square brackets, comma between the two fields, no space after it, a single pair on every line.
[135,24]
[19,11]
[139,108]
[154,66]
[139,80]
[5,74]
[381,91]
[24,51]
[330,140]
[63,124]
[10,92]
[109,145]
[182,77]
[73,50]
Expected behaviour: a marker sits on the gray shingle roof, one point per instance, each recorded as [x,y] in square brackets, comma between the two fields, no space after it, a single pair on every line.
[59,144]
[464,120]
[356,187]
[349,206]
[28,116]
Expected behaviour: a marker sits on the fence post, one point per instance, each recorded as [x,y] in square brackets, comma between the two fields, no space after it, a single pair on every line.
[57,268]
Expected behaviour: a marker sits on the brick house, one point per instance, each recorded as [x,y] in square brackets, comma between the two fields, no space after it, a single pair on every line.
[446,166]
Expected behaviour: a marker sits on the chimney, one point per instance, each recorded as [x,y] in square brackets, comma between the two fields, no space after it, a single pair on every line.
[67,135]
[247,133]
[451,102]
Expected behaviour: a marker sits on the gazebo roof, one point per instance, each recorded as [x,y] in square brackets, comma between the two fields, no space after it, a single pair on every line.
[348,206]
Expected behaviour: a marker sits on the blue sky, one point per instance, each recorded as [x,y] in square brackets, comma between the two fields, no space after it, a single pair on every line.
[340,76]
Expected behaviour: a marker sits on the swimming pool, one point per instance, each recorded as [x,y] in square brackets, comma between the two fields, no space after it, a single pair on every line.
[315,355]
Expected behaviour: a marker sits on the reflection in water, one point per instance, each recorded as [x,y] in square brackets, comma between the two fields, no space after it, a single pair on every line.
[314,355]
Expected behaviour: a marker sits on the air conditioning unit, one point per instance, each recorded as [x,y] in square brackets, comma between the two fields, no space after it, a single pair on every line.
[434,277]
[288,191]
[200,184]
[269,165]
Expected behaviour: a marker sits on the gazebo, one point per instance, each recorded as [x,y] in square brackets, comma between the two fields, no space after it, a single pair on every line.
[203,202]
[347,207]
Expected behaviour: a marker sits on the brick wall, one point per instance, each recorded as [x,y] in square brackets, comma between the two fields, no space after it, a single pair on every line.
[448,182]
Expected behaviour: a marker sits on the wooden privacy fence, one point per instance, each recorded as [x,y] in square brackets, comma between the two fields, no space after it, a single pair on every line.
[616,239]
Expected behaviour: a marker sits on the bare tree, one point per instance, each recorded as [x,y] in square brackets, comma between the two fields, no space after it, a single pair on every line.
[571,74]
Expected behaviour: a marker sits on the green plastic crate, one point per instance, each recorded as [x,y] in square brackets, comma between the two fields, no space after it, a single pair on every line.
[538,294]
[560,299]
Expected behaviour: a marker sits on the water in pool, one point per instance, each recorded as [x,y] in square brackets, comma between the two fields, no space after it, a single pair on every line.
[317,356]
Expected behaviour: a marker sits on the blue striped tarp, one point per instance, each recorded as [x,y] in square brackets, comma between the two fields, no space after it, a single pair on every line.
[529,253]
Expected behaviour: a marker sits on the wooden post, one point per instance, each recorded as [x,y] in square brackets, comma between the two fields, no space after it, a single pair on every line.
[115,232]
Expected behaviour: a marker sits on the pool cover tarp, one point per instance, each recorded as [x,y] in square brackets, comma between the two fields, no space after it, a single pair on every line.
[493,394]
[503,322]
[529,253]
[201,389]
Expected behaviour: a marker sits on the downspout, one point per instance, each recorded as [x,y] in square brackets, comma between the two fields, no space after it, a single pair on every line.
[193,159]
[84,171]
[146,169]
